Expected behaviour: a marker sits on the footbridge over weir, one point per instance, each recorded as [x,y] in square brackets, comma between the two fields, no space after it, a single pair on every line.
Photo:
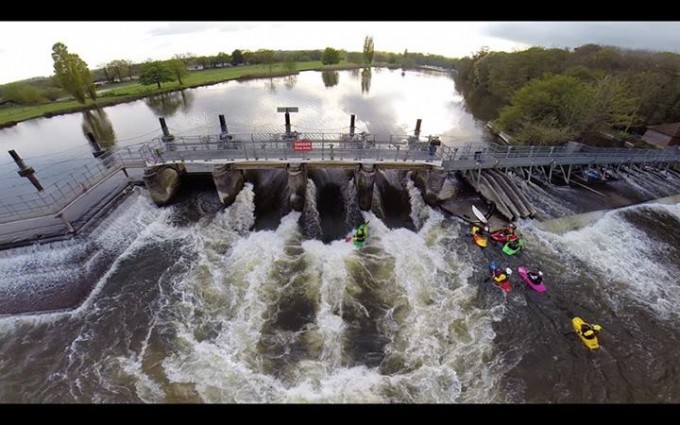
[160,164]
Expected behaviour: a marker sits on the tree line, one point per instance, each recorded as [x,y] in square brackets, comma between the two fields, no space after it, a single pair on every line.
[547,96]
[73,78]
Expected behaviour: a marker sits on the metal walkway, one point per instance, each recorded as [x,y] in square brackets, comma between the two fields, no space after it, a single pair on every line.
[202,153]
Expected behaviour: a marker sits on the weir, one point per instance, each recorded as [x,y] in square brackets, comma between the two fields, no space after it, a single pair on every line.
[491,170]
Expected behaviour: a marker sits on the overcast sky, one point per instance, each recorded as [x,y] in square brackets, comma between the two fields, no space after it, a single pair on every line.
[25,47]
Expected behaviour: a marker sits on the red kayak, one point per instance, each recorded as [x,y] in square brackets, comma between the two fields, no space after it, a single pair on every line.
[500,236]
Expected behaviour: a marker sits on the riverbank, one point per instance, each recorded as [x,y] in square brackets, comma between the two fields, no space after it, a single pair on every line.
[131,91]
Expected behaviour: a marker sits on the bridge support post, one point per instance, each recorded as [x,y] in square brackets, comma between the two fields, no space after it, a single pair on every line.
[529,174]
[297,185]
[552,167]
[25,171]
[228,182]
[364,179]
[162,182]
[167,137]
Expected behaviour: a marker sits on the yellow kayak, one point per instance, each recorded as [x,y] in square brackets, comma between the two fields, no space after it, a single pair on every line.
[479,239]
[588,341]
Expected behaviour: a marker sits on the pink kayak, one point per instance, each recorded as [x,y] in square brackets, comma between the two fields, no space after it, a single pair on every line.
[523,273]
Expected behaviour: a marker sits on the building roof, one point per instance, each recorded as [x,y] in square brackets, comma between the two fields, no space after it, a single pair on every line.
[672,129]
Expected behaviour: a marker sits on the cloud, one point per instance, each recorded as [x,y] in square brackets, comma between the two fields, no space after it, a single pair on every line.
[635,35]
[176,28]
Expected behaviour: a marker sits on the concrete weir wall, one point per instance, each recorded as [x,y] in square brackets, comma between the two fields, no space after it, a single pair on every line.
[162,182]
[364,179]
[430,183]
[297,185]
[228,182]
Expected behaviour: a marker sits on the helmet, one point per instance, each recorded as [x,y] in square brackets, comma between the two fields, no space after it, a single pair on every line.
[493,266]
[589,332]
[597,327]
[511,226]
[540,273]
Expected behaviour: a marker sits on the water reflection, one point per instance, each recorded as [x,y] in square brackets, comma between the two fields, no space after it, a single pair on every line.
[290,81]
[167,104]
[96,121]
[366,80]
[354,73]
[330,78]
[271,85]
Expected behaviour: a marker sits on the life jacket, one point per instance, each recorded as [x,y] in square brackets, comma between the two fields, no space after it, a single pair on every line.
[500,277]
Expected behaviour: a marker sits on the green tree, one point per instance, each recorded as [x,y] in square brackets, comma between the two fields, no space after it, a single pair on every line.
[72,73]
[290,65]
[368,50]
[21,94]
[155,72]
[179,69]
[330,56]
[548,106]
[355,57]
[222,59]
[237,57]
[266,57]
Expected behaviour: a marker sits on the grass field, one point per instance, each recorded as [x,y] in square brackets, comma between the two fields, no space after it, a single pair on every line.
[131,90]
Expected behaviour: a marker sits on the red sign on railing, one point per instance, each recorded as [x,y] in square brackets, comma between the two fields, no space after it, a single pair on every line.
[302,145]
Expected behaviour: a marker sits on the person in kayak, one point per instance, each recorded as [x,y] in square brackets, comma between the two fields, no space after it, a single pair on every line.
[509,231]
[361,233]
[498,274]
[588,331]
[514,244]
[537,278]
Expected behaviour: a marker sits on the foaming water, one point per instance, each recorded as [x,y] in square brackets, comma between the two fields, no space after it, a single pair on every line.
[215,311]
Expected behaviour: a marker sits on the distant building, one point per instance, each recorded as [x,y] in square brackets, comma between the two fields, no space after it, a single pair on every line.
[663,135]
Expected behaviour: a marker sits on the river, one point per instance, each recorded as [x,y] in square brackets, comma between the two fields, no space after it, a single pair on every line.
[196,303]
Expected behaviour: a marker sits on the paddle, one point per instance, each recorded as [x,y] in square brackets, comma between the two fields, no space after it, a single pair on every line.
[349,238]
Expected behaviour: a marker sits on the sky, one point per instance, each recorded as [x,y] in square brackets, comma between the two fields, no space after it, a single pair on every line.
[25,47]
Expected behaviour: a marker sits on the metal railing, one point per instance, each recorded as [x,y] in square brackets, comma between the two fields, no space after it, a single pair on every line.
[61,193]
[324,147]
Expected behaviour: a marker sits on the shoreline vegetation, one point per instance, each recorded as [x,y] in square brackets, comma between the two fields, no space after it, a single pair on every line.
[130,91]
[597,95]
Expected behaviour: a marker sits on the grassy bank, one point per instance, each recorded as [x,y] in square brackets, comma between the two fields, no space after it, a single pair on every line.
[129,91]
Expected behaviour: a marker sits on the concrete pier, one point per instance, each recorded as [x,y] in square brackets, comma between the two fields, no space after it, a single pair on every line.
[162,182]
[364,179]
[229,182]
[297,185]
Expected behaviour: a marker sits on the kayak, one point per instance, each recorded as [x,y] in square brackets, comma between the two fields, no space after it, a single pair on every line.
[523,273]
[359,244]
[500,236]
[479,239]
[479,215]
[591,343]
[508,250]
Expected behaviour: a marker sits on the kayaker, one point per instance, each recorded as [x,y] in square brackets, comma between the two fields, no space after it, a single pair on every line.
[588,331]
[514,244]
[361,233]
[509,230]
[497,273]
[536,277]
